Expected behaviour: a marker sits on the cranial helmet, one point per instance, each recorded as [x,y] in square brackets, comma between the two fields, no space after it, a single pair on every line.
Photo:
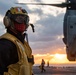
[16,14]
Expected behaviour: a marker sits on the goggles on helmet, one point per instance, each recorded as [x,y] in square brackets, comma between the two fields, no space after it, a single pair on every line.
[21,18]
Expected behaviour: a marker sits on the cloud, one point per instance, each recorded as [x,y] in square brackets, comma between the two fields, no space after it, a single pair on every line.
[48,32]
[48,23]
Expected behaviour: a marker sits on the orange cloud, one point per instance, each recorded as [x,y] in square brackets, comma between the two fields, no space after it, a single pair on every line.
[52,58]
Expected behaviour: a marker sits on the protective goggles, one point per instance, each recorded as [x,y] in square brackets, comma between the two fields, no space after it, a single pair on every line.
[21,19]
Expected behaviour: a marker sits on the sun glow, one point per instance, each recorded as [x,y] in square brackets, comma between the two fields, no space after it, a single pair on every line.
[59,56]
[52,58]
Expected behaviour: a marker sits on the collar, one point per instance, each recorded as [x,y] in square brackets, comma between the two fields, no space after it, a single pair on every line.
[20,36]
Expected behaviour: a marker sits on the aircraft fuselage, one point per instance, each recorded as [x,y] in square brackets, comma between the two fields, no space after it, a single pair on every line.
[69,30]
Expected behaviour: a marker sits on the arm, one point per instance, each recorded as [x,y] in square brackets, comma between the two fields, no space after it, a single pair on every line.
[8,54]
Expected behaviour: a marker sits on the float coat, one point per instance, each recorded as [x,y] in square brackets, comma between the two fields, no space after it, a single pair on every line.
[26,60]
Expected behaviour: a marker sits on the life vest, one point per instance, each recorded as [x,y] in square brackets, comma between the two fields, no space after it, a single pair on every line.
[26,60]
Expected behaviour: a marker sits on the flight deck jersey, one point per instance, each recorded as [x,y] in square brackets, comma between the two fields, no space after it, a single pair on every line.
[26,59]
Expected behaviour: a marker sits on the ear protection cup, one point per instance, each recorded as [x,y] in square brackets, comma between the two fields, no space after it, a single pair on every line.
[6,21]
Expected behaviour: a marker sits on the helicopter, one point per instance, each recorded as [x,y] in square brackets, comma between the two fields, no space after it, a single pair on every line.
[69,26]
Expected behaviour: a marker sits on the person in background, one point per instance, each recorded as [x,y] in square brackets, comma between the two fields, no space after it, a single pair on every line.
[43,65]
[47,63]
[15,53]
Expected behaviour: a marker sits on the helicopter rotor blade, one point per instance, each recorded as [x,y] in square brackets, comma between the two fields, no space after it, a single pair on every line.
[62,5]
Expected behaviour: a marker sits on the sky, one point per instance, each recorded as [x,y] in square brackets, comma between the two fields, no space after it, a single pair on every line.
[46,42]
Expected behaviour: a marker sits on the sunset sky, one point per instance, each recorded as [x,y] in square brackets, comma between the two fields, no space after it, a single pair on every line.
[46,42]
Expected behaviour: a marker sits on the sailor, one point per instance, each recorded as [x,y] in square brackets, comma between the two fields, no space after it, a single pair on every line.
[15,53]
[42,66]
